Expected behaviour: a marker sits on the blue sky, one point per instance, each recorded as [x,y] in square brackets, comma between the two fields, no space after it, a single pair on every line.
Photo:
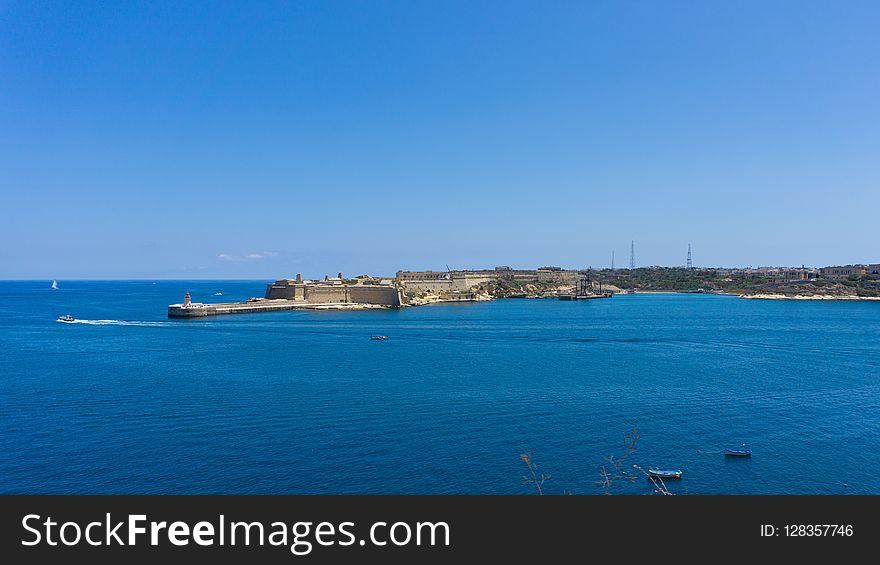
[223,139]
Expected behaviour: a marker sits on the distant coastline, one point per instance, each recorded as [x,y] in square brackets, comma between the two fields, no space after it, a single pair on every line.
[805,297]
[419,288]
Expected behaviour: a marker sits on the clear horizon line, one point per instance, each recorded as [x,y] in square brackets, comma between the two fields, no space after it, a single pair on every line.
[606,268]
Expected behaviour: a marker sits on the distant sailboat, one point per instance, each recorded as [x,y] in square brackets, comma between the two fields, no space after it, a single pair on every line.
[54,284]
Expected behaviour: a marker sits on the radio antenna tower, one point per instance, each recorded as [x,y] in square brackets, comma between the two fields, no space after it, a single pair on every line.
[612,259]
[690,263]
[632,254]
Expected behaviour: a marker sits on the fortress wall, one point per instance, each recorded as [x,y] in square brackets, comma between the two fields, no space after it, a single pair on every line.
[471,280]
[274,291]
[283,290]
[428,285]
[386,295]
[561,277]
[466,280]
[320,294]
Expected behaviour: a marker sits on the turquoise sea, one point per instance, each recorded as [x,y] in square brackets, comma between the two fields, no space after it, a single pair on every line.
[304,402]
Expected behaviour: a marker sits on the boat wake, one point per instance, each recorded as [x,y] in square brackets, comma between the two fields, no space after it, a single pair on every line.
[116,323]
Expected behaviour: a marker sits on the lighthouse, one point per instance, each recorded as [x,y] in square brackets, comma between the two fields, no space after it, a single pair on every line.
[187,300]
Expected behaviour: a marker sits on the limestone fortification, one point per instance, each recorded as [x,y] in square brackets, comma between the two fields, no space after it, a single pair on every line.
[363,290]
[407,288]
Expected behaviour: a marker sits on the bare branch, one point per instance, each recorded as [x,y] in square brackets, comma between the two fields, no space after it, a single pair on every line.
[533,470]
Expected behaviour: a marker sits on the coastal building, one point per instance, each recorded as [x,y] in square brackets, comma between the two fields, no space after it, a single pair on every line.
[874,271]
[802,274]
[764,271]
[844,271]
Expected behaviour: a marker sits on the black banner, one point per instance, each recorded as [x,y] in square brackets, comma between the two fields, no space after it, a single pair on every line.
[434,529]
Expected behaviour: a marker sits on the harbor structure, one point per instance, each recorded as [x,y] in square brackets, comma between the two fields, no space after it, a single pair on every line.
[587,289]
[300,294]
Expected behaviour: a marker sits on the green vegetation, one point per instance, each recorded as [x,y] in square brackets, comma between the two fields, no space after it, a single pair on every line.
[679,279]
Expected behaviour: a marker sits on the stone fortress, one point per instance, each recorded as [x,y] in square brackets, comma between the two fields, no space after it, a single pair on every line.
[361,290]
[406,285]
[407,288]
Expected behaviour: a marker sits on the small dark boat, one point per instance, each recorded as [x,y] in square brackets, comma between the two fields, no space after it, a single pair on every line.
[66,318]
[664,473]
[738,452]
[379,337]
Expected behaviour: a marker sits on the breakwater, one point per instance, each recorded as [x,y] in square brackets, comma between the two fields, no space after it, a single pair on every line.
[298,294]
[195,310]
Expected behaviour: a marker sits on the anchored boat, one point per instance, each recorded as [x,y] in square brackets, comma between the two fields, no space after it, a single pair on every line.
[738,452]
[664,473]
[379,337]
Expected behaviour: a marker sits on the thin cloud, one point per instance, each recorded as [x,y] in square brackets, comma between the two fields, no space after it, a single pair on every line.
[248,257]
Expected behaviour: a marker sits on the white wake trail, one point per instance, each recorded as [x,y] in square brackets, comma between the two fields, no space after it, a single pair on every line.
[117,323]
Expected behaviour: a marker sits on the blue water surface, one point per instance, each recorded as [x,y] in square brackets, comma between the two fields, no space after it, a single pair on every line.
[304,402]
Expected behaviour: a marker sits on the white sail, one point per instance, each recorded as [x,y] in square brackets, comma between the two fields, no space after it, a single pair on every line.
[54,284]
